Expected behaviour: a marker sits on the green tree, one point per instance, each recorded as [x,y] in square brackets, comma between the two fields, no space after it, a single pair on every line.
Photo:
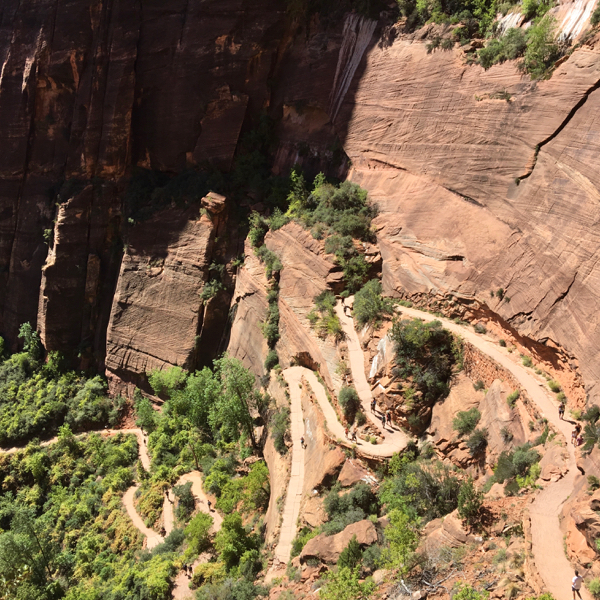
[197,533]
[344,584]
[166,381]
[232,540]
[542,50]
[31,341]
[257,488]
[402,535]
[147,418]
[369,305]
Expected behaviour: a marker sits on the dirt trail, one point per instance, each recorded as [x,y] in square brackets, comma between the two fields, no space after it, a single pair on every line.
[394,437]
[152,538]
[291,509]
[547,537]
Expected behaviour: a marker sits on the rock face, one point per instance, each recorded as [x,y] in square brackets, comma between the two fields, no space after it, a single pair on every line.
[452,219]
[157,314]
[90,91]
[328,548]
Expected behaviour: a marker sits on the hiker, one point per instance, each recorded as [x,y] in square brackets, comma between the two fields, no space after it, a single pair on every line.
[373,405]
[561,411]
[574,436]
[347,431]
[209,505]
[389,417]
[302,442]
[383,420]
[354,435]
[576,585]
[579,440]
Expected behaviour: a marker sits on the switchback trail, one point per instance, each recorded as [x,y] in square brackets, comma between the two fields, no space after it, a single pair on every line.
[547,537]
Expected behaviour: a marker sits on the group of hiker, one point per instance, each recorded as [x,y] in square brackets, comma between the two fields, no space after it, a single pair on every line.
[576,437]
[386,416]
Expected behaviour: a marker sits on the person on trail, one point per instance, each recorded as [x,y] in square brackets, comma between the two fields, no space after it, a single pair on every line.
[354,435]
[576,585]
[209,505]
[389,417]
[561,411]
[373,405]
[383,420]
[302,442]
[573,436]
[347,431]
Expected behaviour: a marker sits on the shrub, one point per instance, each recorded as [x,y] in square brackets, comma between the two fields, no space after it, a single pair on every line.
[347,509]
[344,584]
[323,318]
[479,328]
[542,50]
[595,18]
[554,386]
[477,441]
[479,385]
[280,427]
[185,501]
[506,435]
[470,502]
[502,343]
[561,397]
[466,421]
[427,353]
[361,419]
[271,360]
[512,398]
[466,592]
[258,229]
[593,483]
[592,414]
[511,488]
[527,362]
[351,555]
[535,8]
[369,305]
[428,491]
[350,402]
[594,585]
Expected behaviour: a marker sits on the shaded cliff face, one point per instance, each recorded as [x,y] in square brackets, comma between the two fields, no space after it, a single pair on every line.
[89,90]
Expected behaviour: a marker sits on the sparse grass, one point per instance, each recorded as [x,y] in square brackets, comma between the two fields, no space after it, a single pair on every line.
[512,398]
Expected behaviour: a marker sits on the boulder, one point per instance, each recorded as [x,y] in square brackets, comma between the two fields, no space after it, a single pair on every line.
[352,473]
[328,548]
[554,463]
[449,532]
[313,513]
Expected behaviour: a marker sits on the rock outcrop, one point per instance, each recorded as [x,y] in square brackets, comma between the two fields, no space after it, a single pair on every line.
[158,310]
[328,548]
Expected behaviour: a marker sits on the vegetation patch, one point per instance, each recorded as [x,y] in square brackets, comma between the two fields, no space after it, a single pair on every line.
[323,318]
[369,305]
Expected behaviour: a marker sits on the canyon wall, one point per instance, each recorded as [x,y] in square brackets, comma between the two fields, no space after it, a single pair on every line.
[484,179]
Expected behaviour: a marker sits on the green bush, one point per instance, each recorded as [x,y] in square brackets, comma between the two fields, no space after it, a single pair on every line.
[532,9]
[506,434]
[351,555]
[512,398]
[343,510]
[197,534]
[554,386]
[594,585]
[369,305]
[527,362]
[595,18]
[477,441]
[502,343]
[466,592]
[592,414]
[302,538]
[515,463]
[479,385]
[428,490]
[542,48]
[510,46]
[324,318]
[185,501]
[479,328]
[466,421]
[470,502]
[271,361]
[280,427]
[350,402]
[427,353]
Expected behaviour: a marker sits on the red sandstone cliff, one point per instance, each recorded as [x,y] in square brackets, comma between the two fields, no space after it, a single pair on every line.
[90,90]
